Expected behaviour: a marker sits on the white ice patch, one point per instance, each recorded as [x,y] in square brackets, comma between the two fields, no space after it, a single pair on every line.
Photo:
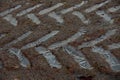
[64,11]
[2,35]
[112,61]
[24,62]
[58,18]
[19,39]
[65,42]
[78,56]
[51,8]
[105,16]
[107,35]
[11,19]
[28,10]
[51,59]
[114,46]
[114,9]
[81,16]
[40,40]
[33,18]
[9,10]
[95,7]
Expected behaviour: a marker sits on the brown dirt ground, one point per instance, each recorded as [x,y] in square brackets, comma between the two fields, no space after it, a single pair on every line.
[39,69]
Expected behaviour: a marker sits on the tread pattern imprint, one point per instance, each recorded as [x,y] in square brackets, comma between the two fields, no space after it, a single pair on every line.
[82,35]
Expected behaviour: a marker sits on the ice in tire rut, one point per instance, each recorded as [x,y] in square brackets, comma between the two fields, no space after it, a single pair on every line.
[73,39]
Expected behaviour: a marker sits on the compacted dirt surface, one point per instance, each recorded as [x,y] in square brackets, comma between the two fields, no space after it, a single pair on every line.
[59,39]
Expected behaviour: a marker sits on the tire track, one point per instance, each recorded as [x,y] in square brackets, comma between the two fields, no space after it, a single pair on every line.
[65,42]
[95,7]
[91,43]
[114,9]
[45,11]
[24,62]
[105,16]
[22,37]
[10,10]
[111,59]
[34,18]
[78,57]
[51,59]
[40,40]
[58,16]
[114,46]
[11,19]
[81,17]
[28,10]
[76,54]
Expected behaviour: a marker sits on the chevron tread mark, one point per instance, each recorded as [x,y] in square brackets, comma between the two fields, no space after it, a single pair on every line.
[58,15]
[57,12]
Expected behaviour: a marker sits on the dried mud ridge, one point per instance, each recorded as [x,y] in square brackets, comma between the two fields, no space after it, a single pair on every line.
[71,45]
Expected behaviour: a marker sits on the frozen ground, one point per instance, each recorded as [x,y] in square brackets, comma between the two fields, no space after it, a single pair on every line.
[59,39]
